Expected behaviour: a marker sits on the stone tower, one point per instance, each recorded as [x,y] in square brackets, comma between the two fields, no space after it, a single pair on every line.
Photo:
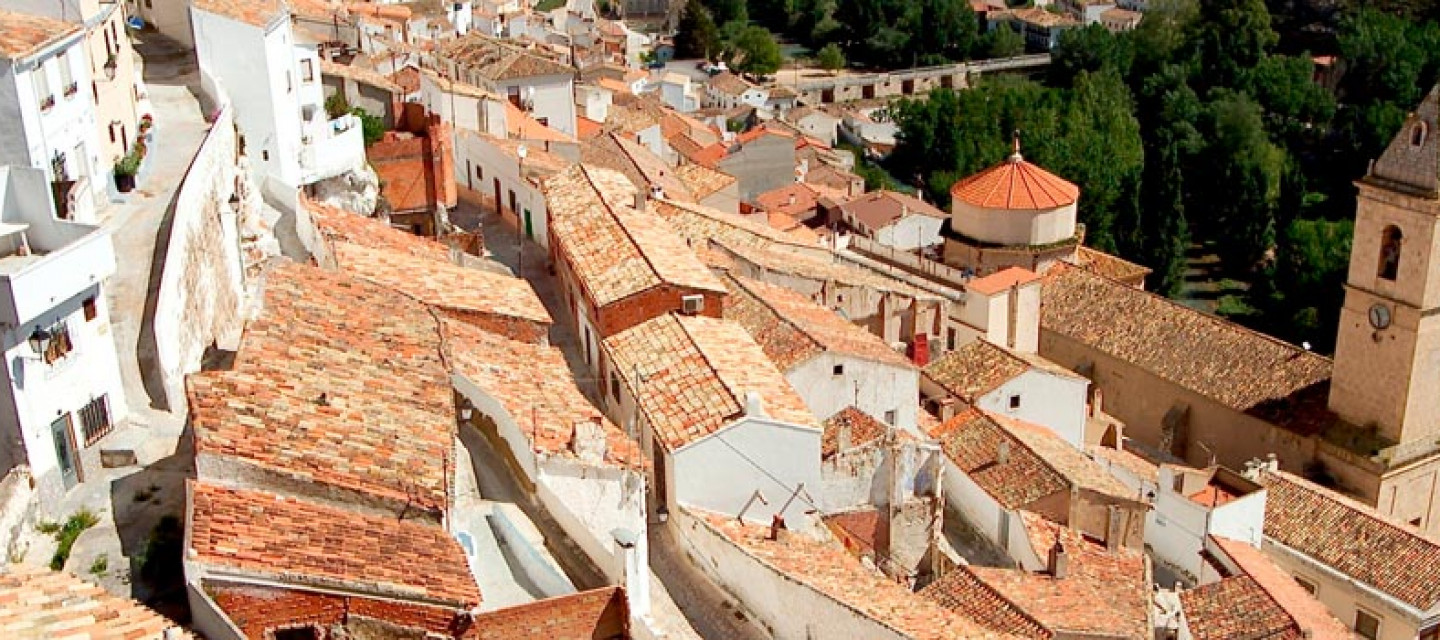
[1387,357]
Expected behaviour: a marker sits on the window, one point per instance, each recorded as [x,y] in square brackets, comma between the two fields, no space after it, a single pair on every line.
[307,70]
[479,173]
[1015,402]
[950,340]
[1390,241]
[298,633]
[59,344]
[838,370]
[890,417]
[1307,585]
[1367,625]
[1433,633]
[42,87]
[1417,134]
[91,309]
[1415,522]
[112,133]
[264,155]
[615,387]
[95,419]
[67,81]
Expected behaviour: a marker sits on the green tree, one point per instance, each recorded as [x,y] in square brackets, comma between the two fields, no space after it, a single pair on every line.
[1093,48]
[723,11]
[696,36]
[943,30]
[757,52]
[1231,36]
[831,58]
[1003,42]
[1293,103]
[1243,169]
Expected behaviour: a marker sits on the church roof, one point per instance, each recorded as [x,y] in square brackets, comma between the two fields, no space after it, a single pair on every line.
[1412,161]
[1015,185]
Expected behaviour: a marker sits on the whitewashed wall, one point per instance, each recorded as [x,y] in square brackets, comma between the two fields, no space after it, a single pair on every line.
[873,387]
[722,471]
[1046,399]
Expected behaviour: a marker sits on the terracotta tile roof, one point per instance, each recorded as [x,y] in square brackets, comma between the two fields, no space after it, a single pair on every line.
[308,543]
[879,209]
[974,370]
[359,74]
[859,524]
[1235,608]
[444,284]
[645,169]
[408,79]
[1015,184]
[695,373]
[961,591]
[533,382]
[630,119]
[829,570]
[1104,592]
[700,224]
[730,84]
[792,329]
[703,181]
[614,250]
[673,123]
[598,613]
[1352,538]
[826,266]
[1072,464]
[1111,266]
[971,439]
[39,603]
[1207,355]
[326,390]
[336,224]
[864,429]
[521,125]
[1128,460]
[446,85]
[586,128]
[23,34]
[258,13]
[405,182]
[704,155]
[498,60]
[614,85]
[1309,614]
[793,199]
[1002,280]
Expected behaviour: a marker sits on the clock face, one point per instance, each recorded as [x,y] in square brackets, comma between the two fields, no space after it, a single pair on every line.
[1379,316]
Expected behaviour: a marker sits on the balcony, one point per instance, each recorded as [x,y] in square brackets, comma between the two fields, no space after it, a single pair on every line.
[47,103]
[71,89]
[332,149]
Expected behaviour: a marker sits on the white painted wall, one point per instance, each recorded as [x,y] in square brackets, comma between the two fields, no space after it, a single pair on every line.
[1046,399]
[1003,528]
[791,610]
[554,99]
[1013,227]
[873,387]
[34,136]
[911,232]
[1344,596]
[472,152]
[170,17]
[590,503]
[721,472]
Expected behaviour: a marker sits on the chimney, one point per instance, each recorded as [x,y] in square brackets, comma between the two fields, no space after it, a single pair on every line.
[755,405]
[587,440]
[842,439]
[777,524]
[792,199]
[1002,452]
[640,201]
[1059,561]
[656,192]
[1272,464]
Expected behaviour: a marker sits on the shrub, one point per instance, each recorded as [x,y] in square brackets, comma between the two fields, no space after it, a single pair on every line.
[68,533]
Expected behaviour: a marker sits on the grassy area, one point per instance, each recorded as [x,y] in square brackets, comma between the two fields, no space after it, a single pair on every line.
[67,533]
[100,565]
[549,5]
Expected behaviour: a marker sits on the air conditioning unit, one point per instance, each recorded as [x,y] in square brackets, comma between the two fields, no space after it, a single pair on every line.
[691,305]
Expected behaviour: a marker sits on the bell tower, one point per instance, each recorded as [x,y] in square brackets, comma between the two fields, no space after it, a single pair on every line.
[1387,354]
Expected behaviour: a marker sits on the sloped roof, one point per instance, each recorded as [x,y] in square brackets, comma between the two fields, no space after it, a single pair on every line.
[339,382]
[972,440]
[1407,166]
[336,224]
[1002,280]
[497,60]
[39,603]
[1235,607]
[1352,538]
[730,84]
[694,374]
[975,369]
[792,329]
[22,34]
[791,199]
[320,545]
[359,74]
[1015,185]
[1215,358]
[863,427]
[703,181]
[1110,266]
[699,225]
[961,591]
[256,13]
[1309,614]
[828,569]
[878,209]
[444,284]
[614,250]
[533,383]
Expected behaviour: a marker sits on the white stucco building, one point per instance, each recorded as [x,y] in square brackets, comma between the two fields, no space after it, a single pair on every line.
[277,93]
[727,91]
[726,432]
[47,108]
[830,362]
[63,390]
[1014,214]
[1008,383]
[542,87]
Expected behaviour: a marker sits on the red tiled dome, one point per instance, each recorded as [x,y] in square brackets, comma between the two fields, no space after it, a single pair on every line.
[1015,184]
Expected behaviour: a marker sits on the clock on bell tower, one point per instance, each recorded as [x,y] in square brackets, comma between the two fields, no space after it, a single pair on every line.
[1387,354]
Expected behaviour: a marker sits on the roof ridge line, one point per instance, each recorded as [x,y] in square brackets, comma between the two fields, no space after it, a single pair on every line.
[1345,501]
[989,415]
[1014,606]
[758,298]
[1263,589]
[629,236]
[724,382]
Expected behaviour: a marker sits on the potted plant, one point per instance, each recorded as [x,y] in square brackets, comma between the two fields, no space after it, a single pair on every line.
[125,171]
[110,65]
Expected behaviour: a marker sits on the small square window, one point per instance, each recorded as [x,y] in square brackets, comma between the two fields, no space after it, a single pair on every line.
[307,70]
[1367,625]
[91,309]
[1415,522]
[890,417]
[1433,633]
[838,370]
[1015,402]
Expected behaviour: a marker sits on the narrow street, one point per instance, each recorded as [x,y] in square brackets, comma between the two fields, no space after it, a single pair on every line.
[685,603]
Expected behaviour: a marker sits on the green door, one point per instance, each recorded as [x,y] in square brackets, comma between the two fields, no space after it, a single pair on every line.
[529,232]
[64,450]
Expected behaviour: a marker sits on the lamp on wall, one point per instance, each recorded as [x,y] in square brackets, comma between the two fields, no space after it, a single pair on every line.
[39,338]
[466,410]
[235,203]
